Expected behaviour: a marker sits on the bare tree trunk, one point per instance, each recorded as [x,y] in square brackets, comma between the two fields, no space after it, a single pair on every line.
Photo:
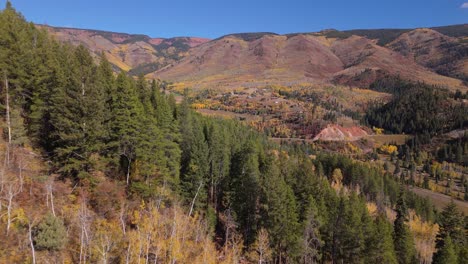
[84,238]
[50,194]
[127,257]
[195,198]
[148,240]
[122,219]
[33,252]
[3,173]
[20,167]
[128,170]
[140,248]
[81,244]
[11,193]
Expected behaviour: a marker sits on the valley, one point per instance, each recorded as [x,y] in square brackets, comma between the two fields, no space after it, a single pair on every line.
[335,146]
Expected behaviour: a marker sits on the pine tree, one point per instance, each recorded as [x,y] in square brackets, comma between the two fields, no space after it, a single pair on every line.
[218,158]
[451,226]
[50,234]
[76,113]
[447,253]
[244,191]
[161,108]
[402,237]
[49,78]
[144,95]
[279,213]
[125,125]
[107,85]
[380,246]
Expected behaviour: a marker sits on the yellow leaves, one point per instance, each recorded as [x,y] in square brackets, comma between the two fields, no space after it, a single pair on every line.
[198,106]
[378,131]
[136,217]
[424,234]
[18,218]
[372,208]
[106,239]
[388,149]
[168,236]
[260,251]
[352,148]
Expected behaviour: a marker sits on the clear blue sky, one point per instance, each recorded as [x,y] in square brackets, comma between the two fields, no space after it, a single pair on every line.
[214,18]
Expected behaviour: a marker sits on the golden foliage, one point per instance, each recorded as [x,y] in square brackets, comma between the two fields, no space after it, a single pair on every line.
[198,106]
[377,130]
[372,208]
[169,237]
[352,148]
[388,149]
[424,234]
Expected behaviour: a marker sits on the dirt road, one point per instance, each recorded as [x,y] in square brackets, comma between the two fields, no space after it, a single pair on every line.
[440,200]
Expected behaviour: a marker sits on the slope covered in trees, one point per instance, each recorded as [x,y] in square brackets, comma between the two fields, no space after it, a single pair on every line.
[416,108]
[125,175]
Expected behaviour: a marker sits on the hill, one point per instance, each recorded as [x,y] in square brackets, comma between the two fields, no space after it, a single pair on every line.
[443,54]
[139,54]
[265,59]
[352,57]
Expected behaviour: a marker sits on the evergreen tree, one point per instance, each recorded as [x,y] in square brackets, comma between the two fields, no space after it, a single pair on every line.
[50,234]
[244,188]
[125,125]
[218,158]
[107,85]
[402,237]
[380,246]
[279,214]
[451,226]
[447,253]
[77,116]
[162,116]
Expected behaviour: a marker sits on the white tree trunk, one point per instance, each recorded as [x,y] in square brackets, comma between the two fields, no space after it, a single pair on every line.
[10,195]
[195,198]
[33,252]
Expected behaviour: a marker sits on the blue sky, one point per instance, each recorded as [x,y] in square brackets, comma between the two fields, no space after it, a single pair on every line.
[214,18]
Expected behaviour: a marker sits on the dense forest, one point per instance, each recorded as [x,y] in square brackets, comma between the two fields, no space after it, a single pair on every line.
[124,174]
[417,108]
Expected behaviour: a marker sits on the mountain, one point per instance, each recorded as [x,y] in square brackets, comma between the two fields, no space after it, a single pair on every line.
[436,56]
[365,62]
[267,58]
[443,54]
[136,53]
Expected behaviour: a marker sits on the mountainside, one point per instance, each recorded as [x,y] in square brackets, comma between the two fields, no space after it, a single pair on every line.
[436,56]
[138,54]
[365,62]
[262,59]
[443,54]
[232,60]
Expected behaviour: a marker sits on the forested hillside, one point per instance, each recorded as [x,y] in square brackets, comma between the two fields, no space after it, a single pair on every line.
[105,168]
[417,108]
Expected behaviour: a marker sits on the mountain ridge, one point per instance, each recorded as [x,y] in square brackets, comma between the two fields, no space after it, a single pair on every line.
[263,58]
